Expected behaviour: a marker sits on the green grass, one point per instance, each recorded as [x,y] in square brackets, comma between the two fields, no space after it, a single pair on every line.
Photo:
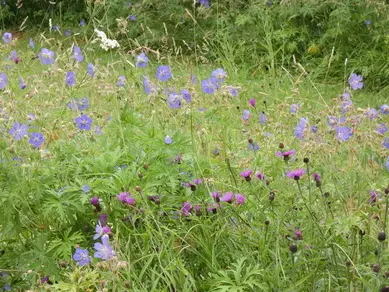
[241,247]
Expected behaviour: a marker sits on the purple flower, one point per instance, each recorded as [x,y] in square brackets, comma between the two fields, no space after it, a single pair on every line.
[103,218]
[132,18]
[382,129]
[3,80]
[333,121]
[262,118]
[36,139]
[355,81]
[245,115]
[227,197]
[252,102]
[239,199]
[384,109]
[163,73]
[254,146]
[193,79]
[386,143]
[186,209]
[204,3]
[79,104]
[246,174]
[14,56]
[98,130]
[299,131]
[7,287]
[260,176]
[7,37]
[186,95]
[91,71]
[18,131]
[316,177]
[373,197]
[371,113]
[82,22]
[367,22]
[55,28]
[298,235]
[121,81]
[95,201]
[77,54]
[174,100]
[81,256]
[31,43]
[286,154]
[295,174]
[22,85]
[168,140]
[343,133]
[141,60]
[209,86]
[219,74]
[233,91]
[294,108]
[126,198]
[46,56]
[83,122]
[70,78]
[103,250]
[101,230]
[346,106]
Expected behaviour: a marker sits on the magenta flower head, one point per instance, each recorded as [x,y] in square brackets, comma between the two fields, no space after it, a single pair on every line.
[83,122]
[81,256]
[126,198]
[197,209]
[103,250]
[260,176]
[163,73]
[355,81]
[7,37]
[216,196]
[298,235]
[246,174]
[141,60]
[227,197]
[286,154]
[317,179]
[95,201]
[296,174]
[239,199]
[252,102]
[46,56]
[373,197]
[186,209]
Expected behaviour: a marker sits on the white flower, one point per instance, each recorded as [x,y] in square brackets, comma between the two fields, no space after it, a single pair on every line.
[106,43]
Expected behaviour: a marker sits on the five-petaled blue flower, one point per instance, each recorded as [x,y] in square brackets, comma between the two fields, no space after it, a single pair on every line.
[210,85]
[103,250]
[81,256]
[174,100]
[36,139]
[163,73]
[355,81]
[77,54]
[46,56]
[142,60]
[7,37]
[18,131]
[70,78]
[83,122]
[343,133]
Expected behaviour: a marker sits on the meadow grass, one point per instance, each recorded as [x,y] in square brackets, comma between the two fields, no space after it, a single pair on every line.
[287,235]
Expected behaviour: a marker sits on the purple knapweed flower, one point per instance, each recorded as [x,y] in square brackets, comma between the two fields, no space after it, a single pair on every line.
[227,197]
[3,80]
[194,183]
[239,199]
[316,177]
[262,118]
[373,197]
[187,95]
[22,85]
[103,250]
[70,78]
[343,133]
[299,131]
[355,81]
[209,86]
[77,54]
[45,280]
[245,115]
[163,73]
[216,196]
[95,201]
[121,81]
[186,209]
[168,140]
[298,235]
[384,109]
[252,102]
[382,129]
[7,37]
[83,122]
[219,74]
[260,176]
[81,256]
[174,100]
[141,60]
[246,174]
[286,154]
[126,198]
[36,139]
[371,113]
[18,131]
[90,69]
[296,174]
[386,143]
[46,56]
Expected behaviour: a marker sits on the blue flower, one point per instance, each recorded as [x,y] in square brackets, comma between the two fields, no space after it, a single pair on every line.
[79,104]
[163,73]
[7,37]
[82,22]
[233,91]
[22,85]
[18,131]
[299,131]
[210,85]
[85,188]
[204,3]
[3,80]
[174,100]
[254,146]
[355,81]
[168,140]
[77,54]
[46,56]
[219,74]
[382,129]
[121,81]
[132,18]
[186,95]
[103,250]
[371,113]
[141,60]
[83,122]
[36,139]
[294,108]
[343,133]
[262,118]
[70,78]
[67,32]
[245,115]
[91,71]
[386,143]
[384,109]
[31,43]
[81,256]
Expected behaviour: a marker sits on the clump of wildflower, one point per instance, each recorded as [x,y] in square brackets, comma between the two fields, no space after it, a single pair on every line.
[210,85]
[126,198]
[355,81]
[103,250]
[246,174]
[296,174]
[219,74]
[81,256]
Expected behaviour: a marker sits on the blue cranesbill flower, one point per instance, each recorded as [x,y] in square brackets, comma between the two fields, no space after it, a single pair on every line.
[103,250]
[163,73]
[31,43]
[46,56]
[22,85]
[91,70]
[371,113]
[386,143]
[355,81]
[343,133]
[187,95]
[77,54]
[219,74]
[18,131]
[81,256]
[382,129]
[83,122]
[210,85]
[141,60]
[174,100]
[36,139]
[262,118]
[3,80]
[299,131]
[168,140]
[121,81]
[132,17]
[70,78]
[79,104]
[384,109]
[7,37]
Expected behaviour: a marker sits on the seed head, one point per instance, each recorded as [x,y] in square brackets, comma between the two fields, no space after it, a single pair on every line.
[306,160]
[376,268]
[272,196]
[381,236]
[267,222]
[281,146]
[293,248]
